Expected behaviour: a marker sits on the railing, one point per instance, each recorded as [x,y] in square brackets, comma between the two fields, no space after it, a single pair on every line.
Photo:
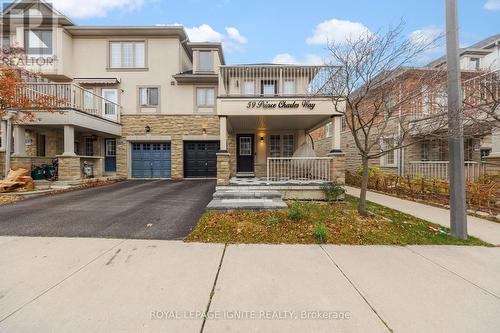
[284,169]
[72,96]
[440,170]
[482,90]
[275,80]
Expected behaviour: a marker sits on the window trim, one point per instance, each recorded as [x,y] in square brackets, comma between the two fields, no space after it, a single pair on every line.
[281,135]
[85,146]
[109,65]
[27,31]
[294,85]
[211,106]
[141,106]
[383,158]
[243,86]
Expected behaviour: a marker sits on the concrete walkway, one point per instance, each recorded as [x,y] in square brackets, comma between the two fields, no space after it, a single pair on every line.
[477,227]
[108,285]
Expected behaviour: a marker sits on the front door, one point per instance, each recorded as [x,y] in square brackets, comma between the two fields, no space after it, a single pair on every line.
[110,155]
[245,152]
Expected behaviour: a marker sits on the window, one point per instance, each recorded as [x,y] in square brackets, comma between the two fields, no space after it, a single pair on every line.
[89,146]
[249,88]
[110,148]
[343,123]
[245,146]
[442,100]
[127,55]
[485,152]
[38,42]
[109,104]
[388,107]
[425,100]
[424,151]
[205,62]
[289,87]
[5,42]
[475,64]
[268,88]
[281,145]
[328,130]
[205,97]
[389,159]
[149,97]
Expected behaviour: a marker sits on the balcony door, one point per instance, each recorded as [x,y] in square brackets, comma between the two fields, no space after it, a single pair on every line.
[245,153]
[109,104]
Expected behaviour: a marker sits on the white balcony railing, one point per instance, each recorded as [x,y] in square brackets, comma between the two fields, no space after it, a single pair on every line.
[72,96]
[284,169]
[439,170]
[267,81]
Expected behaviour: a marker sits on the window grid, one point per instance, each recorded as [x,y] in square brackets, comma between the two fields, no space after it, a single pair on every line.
[127,54]
[149,96]
[205,97]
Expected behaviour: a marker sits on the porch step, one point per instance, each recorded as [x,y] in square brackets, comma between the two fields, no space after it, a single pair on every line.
[228,199]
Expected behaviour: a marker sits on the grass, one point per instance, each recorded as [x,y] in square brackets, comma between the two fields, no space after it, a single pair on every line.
[312,223]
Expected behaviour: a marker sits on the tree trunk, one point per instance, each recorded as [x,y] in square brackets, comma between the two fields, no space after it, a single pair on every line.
[364,188]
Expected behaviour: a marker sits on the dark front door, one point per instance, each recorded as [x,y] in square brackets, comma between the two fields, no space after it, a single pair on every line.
[200,159]
[245,152]
[110,155]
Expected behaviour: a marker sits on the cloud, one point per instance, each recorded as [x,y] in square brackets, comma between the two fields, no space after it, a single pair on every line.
[287,58]
[430,38]
[336,31]
[492,5]
[232,40]
[95,8]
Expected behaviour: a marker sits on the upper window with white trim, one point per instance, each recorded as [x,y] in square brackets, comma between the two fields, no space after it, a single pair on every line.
[205,97]
[289,87]
[38,42]
[149,96]
[127,54]
[205,63]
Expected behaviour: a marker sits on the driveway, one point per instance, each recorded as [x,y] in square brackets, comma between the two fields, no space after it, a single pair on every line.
[115,285]
[121,210]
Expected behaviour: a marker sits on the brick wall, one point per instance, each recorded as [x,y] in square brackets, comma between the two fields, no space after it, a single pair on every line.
[174,126]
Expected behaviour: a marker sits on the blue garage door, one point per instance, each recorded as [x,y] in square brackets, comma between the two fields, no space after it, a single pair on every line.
[151,160]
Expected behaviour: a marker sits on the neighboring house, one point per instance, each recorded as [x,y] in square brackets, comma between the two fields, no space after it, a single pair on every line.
[145,102]
[426,154]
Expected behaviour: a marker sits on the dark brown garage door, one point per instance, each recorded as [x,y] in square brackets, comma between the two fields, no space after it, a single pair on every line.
[200,159]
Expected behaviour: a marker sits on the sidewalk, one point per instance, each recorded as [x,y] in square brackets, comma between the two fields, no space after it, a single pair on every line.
[483,229]
[108,285]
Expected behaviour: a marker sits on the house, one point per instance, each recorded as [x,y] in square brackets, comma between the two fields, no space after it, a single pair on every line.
[145,102]
[426,150]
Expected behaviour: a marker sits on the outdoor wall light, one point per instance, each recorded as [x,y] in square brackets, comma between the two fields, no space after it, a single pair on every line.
[204,131]
[262,139]
[147,128]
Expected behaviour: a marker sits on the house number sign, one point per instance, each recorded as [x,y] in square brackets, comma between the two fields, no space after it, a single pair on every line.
[280,105]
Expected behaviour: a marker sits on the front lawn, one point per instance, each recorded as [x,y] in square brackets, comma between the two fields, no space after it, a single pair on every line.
[310,223]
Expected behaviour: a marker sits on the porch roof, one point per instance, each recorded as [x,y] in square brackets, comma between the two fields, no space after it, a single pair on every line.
[277,122]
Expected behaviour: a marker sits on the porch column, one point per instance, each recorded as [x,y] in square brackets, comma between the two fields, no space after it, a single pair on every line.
[69,141]
[336,126]
[493,161]
[223,133]
[19,141]
[3,130]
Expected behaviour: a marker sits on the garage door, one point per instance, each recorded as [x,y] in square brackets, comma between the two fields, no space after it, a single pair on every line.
[200,159]
[151,160]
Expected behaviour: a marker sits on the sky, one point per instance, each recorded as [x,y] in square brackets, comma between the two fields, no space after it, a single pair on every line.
[292,31]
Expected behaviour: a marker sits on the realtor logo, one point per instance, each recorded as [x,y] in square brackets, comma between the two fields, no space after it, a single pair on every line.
[29,30]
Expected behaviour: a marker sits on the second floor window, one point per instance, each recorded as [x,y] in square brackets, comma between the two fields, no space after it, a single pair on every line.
[289,87]
[268,88]
[205,61]
[248,87]
[426,101]
[38,42]
[205,97]
[127,55]
[475,64]
[149,97]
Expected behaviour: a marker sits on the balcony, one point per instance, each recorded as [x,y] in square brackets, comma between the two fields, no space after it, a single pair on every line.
[70,96]
[275,89]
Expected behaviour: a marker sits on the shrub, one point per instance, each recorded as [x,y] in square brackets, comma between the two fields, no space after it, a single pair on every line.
[320,232]
[295,214]
[332,191]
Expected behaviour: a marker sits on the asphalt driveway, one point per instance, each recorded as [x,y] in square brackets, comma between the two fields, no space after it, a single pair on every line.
[156,209]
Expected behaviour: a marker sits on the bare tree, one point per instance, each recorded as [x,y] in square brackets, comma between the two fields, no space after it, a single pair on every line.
[369,92]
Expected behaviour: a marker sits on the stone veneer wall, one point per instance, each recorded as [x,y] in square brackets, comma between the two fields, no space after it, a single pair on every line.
[174,126]
[2,164]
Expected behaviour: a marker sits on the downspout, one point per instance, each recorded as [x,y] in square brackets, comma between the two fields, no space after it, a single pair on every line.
[401,149]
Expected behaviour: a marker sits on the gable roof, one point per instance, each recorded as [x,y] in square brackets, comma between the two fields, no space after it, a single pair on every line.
[478,47]
[26,4]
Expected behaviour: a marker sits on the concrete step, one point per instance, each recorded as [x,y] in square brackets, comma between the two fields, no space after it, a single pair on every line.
[246,204]
[229,194]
